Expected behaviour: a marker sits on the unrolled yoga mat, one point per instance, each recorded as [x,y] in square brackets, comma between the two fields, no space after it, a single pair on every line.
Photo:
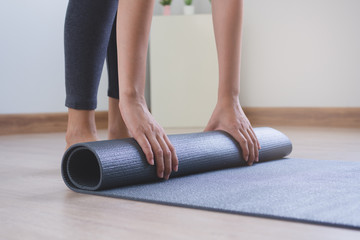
[213,175]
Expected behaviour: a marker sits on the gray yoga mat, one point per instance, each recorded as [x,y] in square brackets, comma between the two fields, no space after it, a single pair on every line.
[212,175]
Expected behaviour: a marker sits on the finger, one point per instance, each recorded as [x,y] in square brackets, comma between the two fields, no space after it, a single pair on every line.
[250,146]
[257,140]
[239,137]
[146,148]
[174,158]
[167,157]
[256,149]
[158,152]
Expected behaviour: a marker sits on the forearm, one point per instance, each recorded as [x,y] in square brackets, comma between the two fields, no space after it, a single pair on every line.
[227,21]
[228,114]
[133,27]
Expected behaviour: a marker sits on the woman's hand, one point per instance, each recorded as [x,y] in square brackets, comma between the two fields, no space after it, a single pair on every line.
[229,117]
[150,135]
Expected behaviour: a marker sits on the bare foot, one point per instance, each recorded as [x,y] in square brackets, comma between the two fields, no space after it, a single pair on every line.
[81,127]
[77,137]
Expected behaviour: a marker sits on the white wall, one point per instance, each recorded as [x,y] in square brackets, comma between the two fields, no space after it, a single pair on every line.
[32,57]
[301,53]
[295,53]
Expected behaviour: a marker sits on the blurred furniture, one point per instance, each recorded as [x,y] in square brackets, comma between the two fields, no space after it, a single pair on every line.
[183,70]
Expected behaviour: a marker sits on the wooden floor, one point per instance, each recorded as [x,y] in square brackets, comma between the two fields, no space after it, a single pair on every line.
[36,204]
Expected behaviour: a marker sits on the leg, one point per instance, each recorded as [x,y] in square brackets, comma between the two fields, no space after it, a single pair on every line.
[87,31]
[81,127]
[116,126]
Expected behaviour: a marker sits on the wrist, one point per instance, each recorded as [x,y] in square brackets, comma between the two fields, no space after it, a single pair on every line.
[131,97]
[228,100]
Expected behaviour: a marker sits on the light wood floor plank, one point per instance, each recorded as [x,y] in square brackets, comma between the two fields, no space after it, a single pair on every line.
[36,204]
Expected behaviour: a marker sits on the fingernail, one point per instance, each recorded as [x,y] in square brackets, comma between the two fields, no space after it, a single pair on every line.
[152,162]
[176,168]
[161,175]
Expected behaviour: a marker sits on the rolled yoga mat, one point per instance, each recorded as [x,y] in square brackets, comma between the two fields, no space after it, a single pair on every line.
[213,175]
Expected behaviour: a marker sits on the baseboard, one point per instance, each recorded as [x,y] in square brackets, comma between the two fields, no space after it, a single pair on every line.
[258,116]
[41,122]
[304,116]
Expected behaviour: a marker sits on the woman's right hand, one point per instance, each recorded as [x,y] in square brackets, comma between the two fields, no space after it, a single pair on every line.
[150,135]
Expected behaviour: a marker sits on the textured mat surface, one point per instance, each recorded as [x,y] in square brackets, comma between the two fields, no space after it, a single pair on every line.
[212,175]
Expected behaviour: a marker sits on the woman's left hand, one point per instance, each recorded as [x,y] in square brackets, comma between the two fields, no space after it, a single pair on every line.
[228,116]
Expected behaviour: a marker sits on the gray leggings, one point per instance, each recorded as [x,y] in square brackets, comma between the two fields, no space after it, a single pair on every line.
[89,37]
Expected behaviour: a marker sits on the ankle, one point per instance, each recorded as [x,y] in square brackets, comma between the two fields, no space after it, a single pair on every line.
[81,126]
[81,131]
[80,135]
[116,126]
